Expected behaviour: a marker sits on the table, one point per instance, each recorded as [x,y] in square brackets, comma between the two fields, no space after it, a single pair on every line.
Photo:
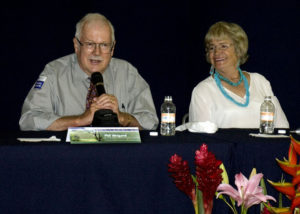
[57,177]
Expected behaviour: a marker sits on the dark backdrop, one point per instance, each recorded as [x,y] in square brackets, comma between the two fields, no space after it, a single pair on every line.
[163,39]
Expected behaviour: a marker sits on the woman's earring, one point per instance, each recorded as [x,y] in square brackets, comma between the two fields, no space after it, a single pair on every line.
[212,70]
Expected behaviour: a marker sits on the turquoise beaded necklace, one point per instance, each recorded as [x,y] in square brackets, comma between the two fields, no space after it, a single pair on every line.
[217,78]
[233,83]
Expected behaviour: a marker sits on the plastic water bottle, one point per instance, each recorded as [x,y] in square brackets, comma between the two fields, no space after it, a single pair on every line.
[267,114]
[168,115]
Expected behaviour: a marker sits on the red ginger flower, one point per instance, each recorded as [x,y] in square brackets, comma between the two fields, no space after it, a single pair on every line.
[208,174]
[180,171]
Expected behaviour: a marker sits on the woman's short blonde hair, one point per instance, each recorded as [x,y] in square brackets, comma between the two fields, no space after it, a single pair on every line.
[225,30]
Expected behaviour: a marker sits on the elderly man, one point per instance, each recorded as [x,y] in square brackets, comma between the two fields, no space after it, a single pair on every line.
[58,99]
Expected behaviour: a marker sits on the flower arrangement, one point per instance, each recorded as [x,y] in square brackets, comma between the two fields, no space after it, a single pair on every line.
[202,187]
[290,189]
[210,172]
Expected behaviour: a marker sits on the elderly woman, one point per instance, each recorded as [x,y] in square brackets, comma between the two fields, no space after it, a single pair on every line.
[230,97]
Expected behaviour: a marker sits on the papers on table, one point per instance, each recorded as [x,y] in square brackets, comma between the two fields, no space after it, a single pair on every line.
[268,135]
[52,138]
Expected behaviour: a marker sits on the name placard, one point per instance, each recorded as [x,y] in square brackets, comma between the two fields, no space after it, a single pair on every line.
[99,135]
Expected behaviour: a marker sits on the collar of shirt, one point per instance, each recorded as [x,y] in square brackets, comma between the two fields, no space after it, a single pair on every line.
[78,74]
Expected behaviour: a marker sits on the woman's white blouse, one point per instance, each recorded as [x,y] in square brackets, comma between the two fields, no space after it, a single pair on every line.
[209,104]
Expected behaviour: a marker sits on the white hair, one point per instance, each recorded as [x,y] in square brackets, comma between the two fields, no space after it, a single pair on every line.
[92,17]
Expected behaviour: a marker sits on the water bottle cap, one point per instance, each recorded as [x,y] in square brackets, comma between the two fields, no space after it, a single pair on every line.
[168,98]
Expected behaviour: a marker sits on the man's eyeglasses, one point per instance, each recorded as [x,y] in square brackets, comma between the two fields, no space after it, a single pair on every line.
[91,46]
[222,47]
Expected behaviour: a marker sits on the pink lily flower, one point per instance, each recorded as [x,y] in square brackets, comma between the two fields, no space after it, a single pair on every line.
[248,193]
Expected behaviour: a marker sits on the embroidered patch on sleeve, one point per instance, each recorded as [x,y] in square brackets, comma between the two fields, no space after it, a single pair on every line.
[40,82]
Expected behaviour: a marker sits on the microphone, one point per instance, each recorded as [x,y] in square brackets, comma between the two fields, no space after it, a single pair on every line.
[103,117]
[97,80]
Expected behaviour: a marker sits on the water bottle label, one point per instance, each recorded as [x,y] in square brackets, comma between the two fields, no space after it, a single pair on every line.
[267,116]
[168,117]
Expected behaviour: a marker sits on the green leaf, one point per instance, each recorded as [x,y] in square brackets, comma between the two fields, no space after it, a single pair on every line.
[280,194]
[195,180]
[233,209]
[263,185]
[232,201]
[280,200]
[200,201]
[224,174]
